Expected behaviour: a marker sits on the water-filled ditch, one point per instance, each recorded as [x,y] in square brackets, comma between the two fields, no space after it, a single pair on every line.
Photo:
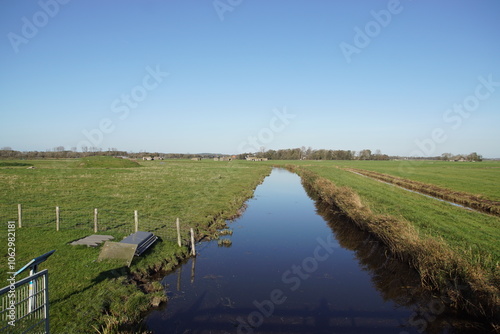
[296,266]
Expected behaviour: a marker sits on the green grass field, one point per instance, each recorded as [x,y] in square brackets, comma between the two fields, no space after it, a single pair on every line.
[480,178]
[86,294]
[83,290]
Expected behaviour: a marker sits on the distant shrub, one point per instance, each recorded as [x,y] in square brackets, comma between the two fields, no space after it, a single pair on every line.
[14,164]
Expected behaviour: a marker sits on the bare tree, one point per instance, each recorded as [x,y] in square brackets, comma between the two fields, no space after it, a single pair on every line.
[446,156]
[474,157]
[365,155]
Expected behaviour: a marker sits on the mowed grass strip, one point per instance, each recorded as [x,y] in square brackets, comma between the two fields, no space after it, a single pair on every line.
[87,295]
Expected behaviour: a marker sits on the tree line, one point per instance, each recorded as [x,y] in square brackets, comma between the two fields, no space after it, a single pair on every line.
[58,153]
[302,153]
[321,154]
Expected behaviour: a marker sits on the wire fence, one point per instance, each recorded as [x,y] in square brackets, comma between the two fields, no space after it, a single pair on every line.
[95,220]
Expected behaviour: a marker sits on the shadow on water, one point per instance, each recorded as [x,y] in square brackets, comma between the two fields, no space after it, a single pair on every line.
[206,308]
[396,280]
[320,319]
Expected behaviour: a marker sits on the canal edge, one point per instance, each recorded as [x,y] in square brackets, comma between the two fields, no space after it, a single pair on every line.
[440,268]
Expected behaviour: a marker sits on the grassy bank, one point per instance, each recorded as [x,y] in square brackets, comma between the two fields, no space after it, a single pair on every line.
[86,295]
[434,237]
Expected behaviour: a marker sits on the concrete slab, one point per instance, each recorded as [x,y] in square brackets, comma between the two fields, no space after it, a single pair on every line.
[118,251]
[92,240]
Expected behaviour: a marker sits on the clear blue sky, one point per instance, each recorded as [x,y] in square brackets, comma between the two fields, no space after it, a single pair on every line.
[67,69]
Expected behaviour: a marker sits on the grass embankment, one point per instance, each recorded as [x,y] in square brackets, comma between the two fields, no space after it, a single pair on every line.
[86,295]
[453,249]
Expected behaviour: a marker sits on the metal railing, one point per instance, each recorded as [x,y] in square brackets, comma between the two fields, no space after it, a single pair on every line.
[24,305]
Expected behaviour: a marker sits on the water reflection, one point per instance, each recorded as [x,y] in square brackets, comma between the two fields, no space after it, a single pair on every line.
[396,280]
[320,318]
[288,271]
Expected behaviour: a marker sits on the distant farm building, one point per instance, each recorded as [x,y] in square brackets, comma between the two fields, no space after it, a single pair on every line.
[256,159]
[196,159]
[223,159]
[149,158]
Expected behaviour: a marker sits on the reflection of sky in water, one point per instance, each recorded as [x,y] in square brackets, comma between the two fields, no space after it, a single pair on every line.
[279,230]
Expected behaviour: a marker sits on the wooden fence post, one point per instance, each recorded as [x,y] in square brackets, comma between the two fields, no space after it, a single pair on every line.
[57,218]
[193,249]
[136,220]
[20,215]
[178,232]
[95,220]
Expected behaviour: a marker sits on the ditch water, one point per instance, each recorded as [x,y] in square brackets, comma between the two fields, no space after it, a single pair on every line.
[295,266]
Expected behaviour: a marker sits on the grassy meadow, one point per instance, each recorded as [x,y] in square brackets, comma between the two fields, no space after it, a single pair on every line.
[85,294]
[480,178]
